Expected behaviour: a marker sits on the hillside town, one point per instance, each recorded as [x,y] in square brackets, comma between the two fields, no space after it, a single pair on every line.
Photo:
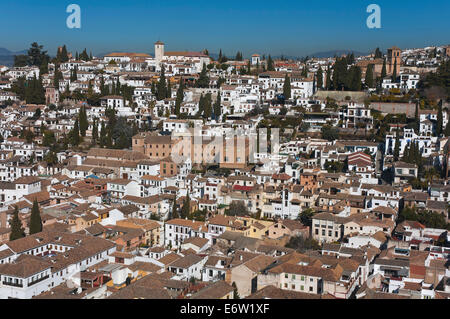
[190,175]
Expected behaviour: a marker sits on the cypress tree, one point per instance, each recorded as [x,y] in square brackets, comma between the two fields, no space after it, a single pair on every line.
[84,124]
[440,120]
[328,84]
[175,213]
[162,89]
[319,78]
[383,70]
[62,56]
[113,89]
[90,89]
[235,291]
[378,54]
[397,145]
[185,211]
[102,135]
[17,230]
[406,153]
[35,219]
[394,73]
[287,87]
[75,134]
[417,119]
[369,76]
[169,90]
[207,106]
[270,66]
[217,107]
[180,97]
[203,79]
[118,87]
[305,71]
[95,130]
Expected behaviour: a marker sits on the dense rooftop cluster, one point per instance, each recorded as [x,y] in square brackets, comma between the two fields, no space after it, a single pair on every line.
[177,176]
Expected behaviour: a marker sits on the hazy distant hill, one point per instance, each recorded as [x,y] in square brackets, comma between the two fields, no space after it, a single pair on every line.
[7,57]
[330,54]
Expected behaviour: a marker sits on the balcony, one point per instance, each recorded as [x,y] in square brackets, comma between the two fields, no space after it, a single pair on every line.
[12,284]
[37,281]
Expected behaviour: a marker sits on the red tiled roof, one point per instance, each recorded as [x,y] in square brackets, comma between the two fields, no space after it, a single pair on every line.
[242,188]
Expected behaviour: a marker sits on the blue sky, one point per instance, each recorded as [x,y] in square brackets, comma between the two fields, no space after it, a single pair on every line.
[289,27]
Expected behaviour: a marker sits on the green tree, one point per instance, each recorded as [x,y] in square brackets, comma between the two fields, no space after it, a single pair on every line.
[179,98]
[203,79]
[36,55]
[237,208]
[49,139]
[169,90]
[186,209]
[328,81]
[57,77]
[417,119]
[73,75]
[305,217]
[383,70]
[84,124]
[174,212]
[270,65]
[103,133]
[394,73]
[378,54]
[397,145]
[369,80]
[20,60]
[305,71]
[17,230]
[51,158]
[235,291]
[62,55]
[330,133]
[217,107]
[287,87]
[35,219]
[162,88]
[320,78]
[95,130]
[75,134]
[302,244]
[440,123]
